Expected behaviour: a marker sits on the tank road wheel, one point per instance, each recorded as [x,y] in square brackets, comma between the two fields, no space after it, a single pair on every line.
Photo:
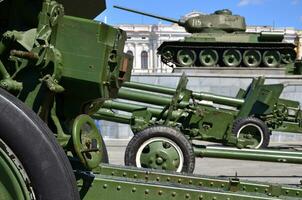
[208,57]
[252,128]
[32,164]
[167,55]
[271,58]
[186,57]
[252,58]
[232,58]
[288,57]
[160,147]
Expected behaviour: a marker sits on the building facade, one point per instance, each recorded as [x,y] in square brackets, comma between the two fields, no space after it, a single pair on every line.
[299,42]
[143,41]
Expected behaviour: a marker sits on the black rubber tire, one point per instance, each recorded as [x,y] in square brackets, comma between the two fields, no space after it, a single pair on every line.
[243,121]
[161,131]
[105,153]
[34,144]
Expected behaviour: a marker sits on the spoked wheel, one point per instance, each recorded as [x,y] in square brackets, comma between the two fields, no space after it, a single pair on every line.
[162,148]
[252,58]
[232,58]
[271,58]
[254,129]
[186,57]
[32,164]
[208,57]
[288,57]
[88,143]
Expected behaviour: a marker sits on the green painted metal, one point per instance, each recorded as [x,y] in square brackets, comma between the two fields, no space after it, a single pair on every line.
[252,58]
[271,58]
[14,182]
[196,114]
[232,57]
[87,141]
[126,189]
[50,66]
[250,154]
[22,15]
[223,34]
[221,20]
[128,107]
[160,153]
[208,57]
[142,96]
[46,63]
[125,182]
[218,99]
[106,114]
[186,57]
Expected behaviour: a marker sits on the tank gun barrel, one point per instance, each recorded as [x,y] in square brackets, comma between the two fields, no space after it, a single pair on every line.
[149,15]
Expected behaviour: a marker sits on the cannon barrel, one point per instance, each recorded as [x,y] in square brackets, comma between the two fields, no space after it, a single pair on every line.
[150,15]
[105,112]
[218,99]
[146,97]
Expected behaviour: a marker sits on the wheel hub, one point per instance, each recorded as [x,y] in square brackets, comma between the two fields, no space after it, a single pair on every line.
[160,153]
[251,132]
[159,160]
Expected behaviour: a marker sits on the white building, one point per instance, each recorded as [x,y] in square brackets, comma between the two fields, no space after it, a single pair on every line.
[299,42]
[143,41]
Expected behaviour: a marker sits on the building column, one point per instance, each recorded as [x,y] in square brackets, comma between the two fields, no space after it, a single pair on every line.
[138,51]
[150,58]
[299,45]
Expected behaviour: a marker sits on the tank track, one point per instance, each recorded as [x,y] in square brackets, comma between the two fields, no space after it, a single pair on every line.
[260,55]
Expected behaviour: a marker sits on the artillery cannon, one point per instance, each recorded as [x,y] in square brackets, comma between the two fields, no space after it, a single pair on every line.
[63,78]
[243,121]
[219,39]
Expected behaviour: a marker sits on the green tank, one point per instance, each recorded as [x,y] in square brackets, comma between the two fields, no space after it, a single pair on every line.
[220,39]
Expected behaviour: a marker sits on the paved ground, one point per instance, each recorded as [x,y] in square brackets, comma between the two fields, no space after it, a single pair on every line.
[252,170]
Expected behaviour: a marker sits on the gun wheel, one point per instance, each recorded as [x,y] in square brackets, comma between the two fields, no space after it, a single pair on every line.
[232,58]
[88,143]
[254,129]
[32,164]
[252,58]
[162,148]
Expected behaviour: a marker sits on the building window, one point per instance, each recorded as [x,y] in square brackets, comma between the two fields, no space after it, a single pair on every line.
[130,52]
[144,58]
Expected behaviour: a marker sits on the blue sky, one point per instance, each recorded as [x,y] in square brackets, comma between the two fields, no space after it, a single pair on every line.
[281,13]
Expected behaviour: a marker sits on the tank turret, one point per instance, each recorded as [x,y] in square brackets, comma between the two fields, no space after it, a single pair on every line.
[219,39]
[220,20]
